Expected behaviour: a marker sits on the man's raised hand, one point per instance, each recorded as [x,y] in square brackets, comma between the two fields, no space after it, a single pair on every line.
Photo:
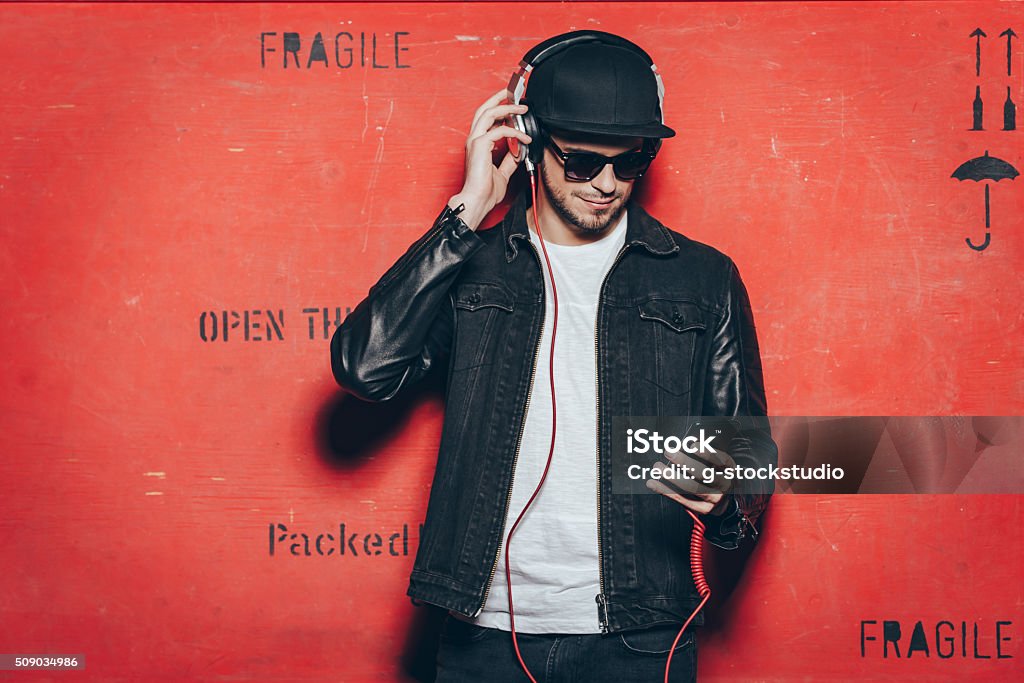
[486,181]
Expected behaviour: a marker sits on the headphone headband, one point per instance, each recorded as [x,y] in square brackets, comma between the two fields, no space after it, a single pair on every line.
[538,53]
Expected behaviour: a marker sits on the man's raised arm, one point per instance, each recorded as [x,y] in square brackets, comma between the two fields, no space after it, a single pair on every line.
[403,327]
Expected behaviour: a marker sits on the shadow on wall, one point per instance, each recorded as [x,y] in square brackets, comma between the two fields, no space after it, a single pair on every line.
[725,570]
[348,429]
[418,658]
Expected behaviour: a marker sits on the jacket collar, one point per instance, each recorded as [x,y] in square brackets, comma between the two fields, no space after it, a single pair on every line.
[641,229]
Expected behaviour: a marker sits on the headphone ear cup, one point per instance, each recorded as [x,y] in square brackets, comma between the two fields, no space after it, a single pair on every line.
[535,150]
[517,149]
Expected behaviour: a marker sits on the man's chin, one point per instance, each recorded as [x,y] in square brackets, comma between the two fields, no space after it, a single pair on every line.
[597,222]
[591,228]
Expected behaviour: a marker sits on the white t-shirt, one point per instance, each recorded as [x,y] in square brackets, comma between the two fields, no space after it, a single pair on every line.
[554,558]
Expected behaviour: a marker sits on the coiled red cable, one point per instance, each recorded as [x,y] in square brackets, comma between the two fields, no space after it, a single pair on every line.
[697,570]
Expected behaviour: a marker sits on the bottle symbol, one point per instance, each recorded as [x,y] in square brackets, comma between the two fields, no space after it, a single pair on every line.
[978,108]
[1009,112]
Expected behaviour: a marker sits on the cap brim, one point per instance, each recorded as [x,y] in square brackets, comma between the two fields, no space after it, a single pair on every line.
[648,130]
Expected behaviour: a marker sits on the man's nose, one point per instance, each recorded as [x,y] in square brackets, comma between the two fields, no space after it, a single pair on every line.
[605,180]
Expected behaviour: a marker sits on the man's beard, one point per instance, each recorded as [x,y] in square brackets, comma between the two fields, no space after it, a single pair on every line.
[586,225]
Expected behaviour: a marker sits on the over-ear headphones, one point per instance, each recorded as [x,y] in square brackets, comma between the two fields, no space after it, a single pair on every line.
[528,123]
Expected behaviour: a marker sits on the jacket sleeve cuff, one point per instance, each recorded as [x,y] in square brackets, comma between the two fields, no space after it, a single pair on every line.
[447,244]
[457,227]
[725,531]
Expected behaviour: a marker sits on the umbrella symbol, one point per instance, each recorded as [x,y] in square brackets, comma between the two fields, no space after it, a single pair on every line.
[984,168]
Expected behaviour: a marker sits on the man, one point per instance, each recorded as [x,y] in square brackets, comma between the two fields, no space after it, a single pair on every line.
[649,323]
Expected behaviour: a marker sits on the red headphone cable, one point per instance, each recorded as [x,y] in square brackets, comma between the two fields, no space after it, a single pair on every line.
[551,449]
[696,538]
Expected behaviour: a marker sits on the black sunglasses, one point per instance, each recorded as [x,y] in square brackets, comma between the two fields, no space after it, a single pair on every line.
[582,166]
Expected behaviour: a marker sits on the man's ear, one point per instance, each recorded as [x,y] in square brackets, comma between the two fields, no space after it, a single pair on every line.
[541,140]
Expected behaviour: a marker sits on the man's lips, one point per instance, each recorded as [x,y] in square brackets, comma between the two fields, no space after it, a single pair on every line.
[603,203]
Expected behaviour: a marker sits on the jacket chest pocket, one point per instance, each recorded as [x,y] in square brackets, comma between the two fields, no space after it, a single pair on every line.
[670,331]
[482,314]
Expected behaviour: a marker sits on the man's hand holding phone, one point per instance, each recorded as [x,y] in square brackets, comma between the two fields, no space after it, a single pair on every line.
[700,497]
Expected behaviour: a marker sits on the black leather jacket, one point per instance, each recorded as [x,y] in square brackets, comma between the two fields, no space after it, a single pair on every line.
[674,337]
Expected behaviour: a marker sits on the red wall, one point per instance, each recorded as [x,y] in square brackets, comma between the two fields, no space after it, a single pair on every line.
[154,175]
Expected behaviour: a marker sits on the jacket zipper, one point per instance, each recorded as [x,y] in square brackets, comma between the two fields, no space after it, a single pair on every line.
[602,598]
[519,439]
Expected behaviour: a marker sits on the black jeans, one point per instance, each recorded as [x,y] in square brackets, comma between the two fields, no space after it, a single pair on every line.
[472,654]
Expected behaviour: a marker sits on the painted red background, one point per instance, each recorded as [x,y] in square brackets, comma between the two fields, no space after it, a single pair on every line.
[151,170]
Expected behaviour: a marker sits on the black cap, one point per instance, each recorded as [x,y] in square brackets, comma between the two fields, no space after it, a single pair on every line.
[598,88]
